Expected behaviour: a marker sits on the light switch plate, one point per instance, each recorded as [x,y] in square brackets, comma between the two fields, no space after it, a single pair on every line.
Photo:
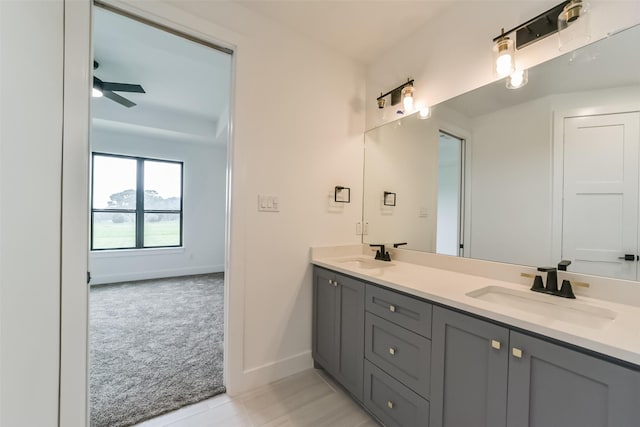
[268,203]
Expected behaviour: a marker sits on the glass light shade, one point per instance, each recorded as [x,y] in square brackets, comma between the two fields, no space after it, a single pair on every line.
[574,29]
[504,56]
[96,93]
[518,79]
[424,113]
[407,98]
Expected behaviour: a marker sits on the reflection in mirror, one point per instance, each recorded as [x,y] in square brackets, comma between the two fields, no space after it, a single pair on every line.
[528,176]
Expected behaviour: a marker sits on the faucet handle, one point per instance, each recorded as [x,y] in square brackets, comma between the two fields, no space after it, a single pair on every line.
[562,265]
[566,291]
[397,245]
[547,269]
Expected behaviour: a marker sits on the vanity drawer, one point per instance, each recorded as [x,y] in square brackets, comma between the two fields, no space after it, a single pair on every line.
[404,355]
[402,310]
[393,403]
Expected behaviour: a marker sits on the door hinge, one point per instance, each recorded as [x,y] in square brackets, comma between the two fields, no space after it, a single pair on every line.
[88,277]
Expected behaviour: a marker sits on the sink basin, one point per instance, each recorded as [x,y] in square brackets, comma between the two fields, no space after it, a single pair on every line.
[365,263]
[549,307]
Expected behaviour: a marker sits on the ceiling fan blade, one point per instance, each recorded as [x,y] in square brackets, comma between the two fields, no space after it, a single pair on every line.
[122,87]
[117,98]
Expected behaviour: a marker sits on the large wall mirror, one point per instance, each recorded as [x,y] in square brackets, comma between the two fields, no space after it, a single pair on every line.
[529,176]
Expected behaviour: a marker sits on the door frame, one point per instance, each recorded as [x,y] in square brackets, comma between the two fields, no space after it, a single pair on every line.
[74,300]
[557,153]
[465,184]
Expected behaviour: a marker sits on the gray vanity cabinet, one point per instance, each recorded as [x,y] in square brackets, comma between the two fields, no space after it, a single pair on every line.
[475,362]
[553,386]
[338,328]
[468,371]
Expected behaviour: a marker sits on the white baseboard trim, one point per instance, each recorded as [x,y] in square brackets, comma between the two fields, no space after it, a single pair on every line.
[270,372]
[157,274]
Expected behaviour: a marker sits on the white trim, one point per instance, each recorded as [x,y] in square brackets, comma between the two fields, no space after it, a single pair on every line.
[74,322]
[156,274]
[126,253]
[273,371]
[74,354]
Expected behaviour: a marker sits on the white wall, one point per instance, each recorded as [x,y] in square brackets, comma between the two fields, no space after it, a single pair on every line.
[204,205]
[452,54]
[298,120]
[510,218]
[31,48]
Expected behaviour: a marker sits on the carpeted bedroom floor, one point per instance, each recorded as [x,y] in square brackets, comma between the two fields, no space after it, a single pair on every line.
[155,345]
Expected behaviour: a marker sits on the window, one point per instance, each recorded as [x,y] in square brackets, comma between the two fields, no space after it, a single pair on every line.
[135,203]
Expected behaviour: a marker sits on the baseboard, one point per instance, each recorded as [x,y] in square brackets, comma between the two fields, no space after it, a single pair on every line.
[156,274]
[270,372]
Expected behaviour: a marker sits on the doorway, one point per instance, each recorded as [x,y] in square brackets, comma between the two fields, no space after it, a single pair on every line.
[600,194]
[159,144]
[450,194]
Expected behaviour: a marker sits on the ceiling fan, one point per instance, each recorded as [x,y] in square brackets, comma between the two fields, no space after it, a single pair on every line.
[107,89]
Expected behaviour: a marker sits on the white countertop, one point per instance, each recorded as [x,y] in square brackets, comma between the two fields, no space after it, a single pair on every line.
[619,338]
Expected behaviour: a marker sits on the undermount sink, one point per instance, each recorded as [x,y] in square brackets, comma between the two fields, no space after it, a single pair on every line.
[547,306]
[365,263]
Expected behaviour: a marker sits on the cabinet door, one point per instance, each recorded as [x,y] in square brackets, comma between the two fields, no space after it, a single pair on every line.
[552,386]
[325,320]
[468,371]
[350,365]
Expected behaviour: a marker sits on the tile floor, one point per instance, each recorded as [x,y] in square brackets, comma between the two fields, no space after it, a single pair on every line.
[309,398]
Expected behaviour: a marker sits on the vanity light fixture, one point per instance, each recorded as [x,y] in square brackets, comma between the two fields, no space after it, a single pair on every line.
[404,93]
[518,79]
[536,28]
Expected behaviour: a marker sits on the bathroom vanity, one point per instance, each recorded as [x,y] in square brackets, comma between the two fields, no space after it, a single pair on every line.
[421,346]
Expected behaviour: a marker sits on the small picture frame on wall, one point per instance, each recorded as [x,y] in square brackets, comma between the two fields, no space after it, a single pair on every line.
[342,194]
[389,198]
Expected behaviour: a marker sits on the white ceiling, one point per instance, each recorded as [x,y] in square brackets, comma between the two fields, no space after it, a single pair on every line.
[187,84]
[361,29]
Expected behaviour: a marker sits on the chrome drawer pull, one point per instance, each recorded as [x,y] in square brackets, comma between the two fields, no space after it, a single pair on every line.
[390,404]
[392,308]
[392,351]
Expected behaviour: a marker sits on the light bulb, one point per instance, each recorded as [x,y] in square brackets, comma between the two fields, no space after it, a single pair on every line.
[518,79]
[424,113]
[407,98]
[504,53]
[96,93]
[408,103]
[504,64]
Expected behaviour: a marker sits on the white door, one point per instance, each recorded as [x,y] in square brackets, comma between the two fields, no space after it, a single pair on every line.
[600,207]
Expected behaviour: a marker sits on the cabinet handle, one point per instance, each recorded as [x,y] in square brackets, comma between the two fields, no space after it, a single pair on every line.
[392,351]
[517,353]
[390,404]
[392,308]
[333,283]
[495,344]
